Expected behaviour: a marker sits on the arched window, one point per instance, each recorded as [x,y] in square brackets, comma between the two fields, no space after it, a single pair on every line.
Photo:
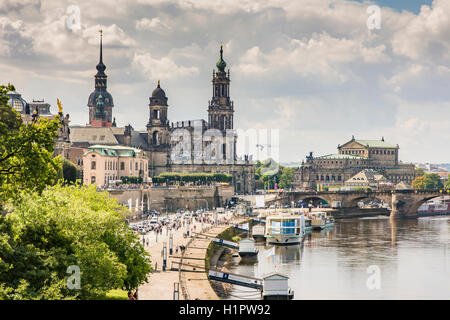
[155,138]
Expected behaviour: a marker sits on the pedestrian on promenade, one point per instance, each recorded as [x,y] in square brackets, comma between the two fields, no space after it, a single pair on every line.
[130,296]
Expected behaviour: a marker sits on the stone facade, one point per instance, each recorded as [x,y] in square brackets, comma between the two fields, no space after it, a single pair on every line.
[352,157]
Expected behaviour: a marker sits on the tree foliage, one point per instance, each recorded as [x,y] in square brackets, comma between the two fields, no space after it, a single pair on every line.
[43,234]
[26,151]
[131,179]
[68,172]
[286,177]
[269,172]
[427,181]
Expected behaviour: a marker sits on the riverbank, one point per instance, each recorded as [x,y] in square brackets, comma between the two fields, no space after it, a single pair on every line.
[197,257]
[194,283]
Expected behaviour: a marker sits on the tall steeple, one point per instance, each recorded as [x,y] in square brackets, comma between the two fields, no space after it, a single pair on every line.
[100,77]
[102,93]
[220,107]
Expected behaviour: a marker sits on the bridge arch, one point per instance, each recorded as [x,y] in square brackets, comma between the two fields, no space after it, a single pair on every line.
[418,203]
[314,199]
[354,202]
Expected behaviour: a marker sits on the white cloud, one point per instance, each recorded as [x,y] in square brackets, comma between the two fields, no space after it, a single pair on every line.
[425,36]
[162,68]
[320,56]
[154,25]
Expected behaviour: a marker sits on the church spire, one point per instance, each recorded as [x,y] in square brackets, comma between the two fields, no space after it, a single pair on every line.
[100,101]
[221,64]
[100,66]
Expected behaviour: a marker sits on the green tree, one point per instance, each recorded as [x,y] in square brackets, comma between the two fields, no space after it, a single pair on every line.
[286,177]
[43,234]
[447,183]
[69,172]
[428,181]
[26,151]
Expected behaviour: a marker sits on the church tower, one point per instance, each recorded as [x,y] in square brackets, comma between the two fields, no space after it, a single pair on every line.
[100,102]
[158,125]
[221,109]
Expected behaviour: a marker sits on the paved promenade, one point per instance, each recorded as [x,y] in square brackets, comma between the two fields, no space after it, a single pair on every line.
[161,283]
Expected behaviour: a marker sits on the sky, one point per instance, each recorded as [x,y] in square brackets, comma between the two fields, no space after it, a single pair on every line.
[312,69]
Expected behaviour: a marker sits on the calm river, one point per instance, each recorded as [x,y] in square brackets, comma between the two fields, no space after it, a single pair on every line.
[368,258]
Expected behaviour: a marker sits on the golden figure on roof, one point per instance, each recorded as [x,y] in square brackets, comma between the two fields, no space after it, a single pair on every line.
[58,102]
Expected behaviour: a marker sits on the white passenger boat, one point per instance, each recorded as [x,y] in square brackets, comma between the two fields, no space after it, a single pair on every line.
[285,229]
[319,220]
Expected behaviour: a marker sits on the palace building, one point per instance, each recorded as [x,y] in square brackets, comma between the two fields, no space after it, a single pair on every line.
[185,146]
[352,157]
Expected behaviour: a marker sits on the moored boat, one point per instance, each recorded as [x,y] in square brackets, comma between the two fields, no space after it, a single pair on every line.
[319,220]
[285,230]
[247,248]
[258,233]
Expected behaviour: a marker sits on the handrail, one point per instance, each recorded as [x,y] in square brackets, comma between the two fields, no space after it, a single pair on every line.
[181,275]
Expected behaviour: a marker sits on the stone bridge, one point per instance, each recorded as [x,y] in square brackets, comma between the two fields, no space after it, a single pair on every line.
[404,203]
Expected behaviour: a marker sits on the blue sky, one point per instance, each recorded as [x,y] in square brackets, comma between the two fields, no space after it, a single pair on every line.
[410,5]
[309,68]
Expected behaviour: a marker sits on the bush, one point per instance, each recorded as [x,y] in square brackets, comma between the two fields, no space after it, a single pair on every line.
[202,178]
[131,180]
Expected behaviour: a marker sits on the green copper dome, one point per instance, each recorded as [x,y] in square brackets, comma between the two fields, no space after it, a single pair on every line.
[221,64]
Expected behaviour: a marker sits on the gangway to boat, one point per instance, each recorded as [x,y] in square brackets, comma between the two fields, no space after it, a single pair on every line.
[259,220]
[236,279]
[225,243]
[241,227]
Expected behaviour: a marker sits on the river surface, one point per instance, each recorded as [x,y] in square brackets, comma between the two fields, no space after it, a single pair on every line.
[367,258]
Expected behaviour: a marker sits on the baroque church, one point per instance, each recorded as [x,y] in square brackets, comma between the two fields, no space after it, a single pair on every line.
[189,146]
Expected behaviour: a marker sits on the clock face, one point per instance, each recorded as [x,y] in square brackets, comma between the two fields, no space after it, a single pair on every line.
[223,100]
[107,100]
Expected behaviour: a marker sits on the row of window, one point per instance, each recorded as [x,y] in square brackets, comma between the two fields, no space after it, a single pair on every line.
[391,152]
[338,162]
[112,165]
[327,178]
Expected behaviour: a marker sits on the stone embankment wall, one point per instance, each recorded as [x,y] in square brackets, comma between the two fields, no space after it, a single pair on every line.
[175,198]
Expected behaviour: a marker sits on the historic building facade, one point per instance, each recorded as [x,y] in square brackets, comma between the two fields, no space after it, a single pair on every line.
[102,164]
[32,111]
[352,157]
[185,146]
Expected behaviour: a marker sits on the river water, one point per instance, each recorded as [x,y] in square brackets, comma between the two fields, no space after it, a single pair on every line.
[367,258]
